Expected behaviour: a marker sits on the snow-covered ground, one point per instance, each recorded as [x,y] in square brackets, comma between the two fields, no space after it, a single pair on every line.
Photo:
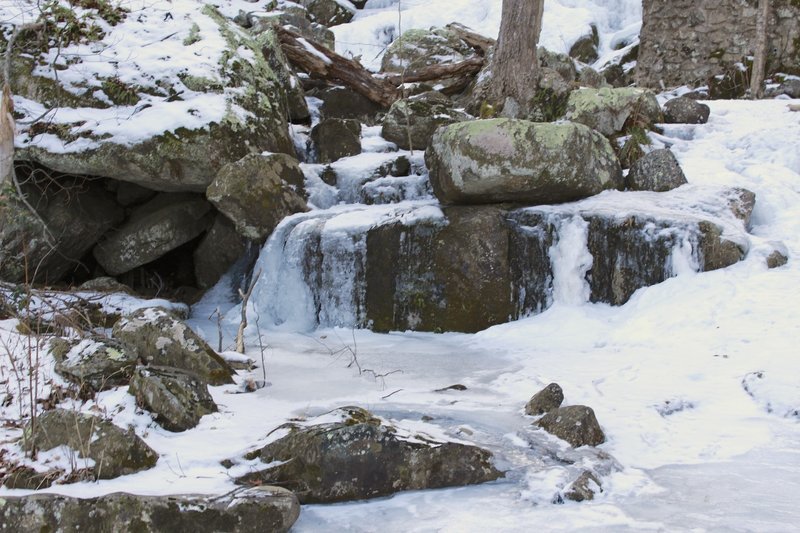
[695,380]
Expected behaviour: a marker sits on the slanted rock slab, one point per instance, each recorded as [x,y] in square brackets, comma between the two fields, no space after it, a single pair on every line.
[160,339]
[363,457]
[253,510]
[507,160]
[177,400]
[575,424]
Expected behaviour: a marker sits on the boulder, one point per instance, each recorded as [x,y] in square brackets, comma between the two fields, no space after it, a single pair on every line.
[561,63]
[253,510]
[244,86]
[105,284]
[153,229]
[778,257]
[506,160]
[329,12]
[177,400]
[335,138]
[545,400]
[77,212]
[341,102]
[585,48]
[297,18]
[550,100]
[657,171]
[115,452]
[612,111]
[584,488]
[410,122]
[95,363]
[589,77]
[741,202]
[160,339]
[575,424]
[683,110]
[419,48]
[790,87]
[257,192]
[363,457]
[217,252]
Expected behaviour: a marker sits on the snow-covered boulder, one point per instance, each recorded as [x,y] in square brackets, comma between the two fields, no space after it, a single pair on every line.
[611,111]
[96,364]
[506,160]
[410,122]
[153,229]
[419,48]
[361,456]
[176,399]
[150,105]
[257,192]
[658,171]
[330,12]
[160,339]
[247,511]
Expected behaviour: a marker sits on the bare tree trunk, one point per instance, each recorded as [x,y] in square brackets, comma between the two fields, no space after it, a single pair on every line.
[515,68]
[760,54]
[6,138]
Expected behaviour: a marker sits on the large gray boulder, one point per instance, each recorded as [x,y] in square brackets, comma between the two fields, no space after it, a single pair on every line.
[335,138]
[341,102]
[657,171]
[257,192]
[683,110]
[252,510]
[612,111]
[575,424]
[506,160]
[245,84]
[160,339]
[157,227]
[94,363]
[362,457]
[177,400]
[115,452]
[217,252]
[410,122]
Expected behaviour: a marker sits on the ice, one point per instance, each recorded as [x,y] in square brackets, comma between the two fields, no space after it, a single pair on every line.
[571,261]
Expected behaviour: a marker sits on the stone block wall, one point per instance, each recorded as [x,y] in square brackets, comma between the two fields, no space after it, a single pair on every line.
[689,41]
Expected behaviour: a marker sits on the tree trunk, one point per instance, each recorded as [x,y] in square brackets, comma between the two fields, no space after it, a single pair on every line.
[515,66]
[760,54]
[6,138]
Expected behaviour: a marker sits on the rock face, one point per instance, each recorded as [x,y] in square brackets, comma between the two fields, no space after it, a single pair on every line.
[410,122]
[686,42]
[545,400]
[98,364]
[188,159]
[335,138]
[115,452]
[161,225]
[253,510]
[257,192]
[609,111]
[160,339]
[575,424]
[657,171]
[361,457]
[221,247]
[683,110]
[506,160]
[177,400]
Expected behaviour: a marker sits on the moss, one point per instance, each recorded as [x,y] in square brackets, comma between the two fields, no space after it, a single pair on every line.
[194,35]
[119,93]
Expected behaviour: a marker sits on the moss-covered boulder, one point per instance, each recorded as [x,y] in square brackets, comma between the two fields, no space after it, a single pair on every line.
[410,122]
[153,229]
[612,111]
[419,48]
[239,107]
[176,399]
[253,510]
[115,452]
[161,339]
[362,457]
[257,192]
[507,160]
[95,363]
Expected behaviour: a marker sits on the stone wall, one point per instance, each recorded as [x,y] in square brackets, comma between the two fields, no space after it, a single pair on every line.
[689,41]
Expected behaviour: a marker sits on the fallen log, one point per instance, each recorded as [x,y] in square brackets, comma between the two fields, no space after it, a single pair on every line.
[462,71]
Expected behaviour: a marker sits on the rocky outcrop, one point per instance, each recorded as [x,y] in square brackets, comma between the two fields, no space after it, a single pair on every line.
[295,16]
[177,400]
[410,122]
[161,225]
[506,160]
[97,364]
[252,510]
[335,138]
[575,424]
[657,171]
[683,110]
[114,451]
[160,339]
[545,400]
[257,192]
[363,457]
[612,111]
